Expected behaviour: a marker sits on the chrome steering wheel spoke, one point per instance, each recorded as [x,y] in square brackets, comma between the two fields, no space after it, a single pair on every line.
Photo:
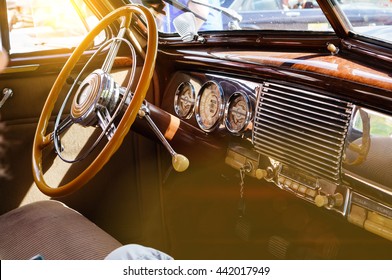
[115,46]
[105,121]
[63,126]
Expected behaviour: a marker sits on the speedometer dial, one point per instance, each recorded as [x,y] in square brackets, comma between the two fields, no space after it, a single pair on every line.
[237,113]
[184,100]
[209,106]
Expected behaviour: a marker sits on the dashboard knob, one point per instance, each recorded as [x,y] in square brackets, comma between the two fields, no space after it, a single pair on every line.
[261,173]
[332,48]
[333,200]
[338,199]
[321,200]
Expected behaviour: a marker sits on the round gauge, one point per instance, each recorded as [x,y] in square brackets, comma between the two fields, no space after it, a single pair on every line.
[209,106]
[184,100]
[237,112]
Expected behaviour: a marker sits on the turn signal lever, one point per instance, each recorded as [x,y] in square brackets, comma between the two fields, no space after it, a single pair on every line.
[180,162]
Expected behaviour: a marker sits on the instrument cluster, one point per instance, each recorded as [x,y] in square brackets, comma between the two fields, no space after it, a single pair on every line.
[218,103]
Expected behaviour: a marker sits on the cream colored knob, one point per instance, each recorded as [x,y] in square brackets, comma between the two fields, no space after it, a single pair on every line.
[180,162]
[261,173]
[142,113]
[332,48]
[338,199]
[321,200]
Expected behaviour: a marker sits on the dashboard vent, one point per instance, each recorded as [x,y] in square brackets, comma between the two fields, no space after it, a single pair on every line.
[302,129]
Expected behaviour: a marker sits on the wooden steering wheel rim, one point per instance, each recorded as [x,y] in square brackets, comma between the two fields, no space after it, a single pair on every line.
[41,138]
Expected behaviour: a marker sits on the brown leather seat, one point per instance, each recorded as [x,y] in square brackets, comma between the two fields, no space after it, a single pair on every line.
[51,229]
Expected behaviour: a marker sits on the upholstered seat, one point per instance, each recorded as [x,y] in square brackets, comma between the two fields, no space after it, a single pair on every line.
[54,231]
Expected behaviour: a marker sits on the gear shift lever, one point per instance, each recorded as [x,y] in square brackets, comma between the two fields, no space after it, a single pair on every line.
[180,162]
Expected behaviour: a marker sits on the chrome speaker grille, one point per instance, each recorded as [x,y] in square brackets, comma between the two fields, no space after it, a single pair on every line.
[301,128]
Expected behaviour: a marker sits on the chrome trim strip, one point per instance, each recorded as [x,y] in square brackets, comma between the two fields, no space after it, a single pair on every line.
[347,202]
[303,104]
[294,150]
[296,134]
[297,125]
[300,114]
[309,93]
[303,97]
[309,145]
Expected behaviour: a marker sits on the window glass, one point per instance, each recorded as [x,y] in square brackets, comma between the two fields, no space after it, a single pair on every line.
[371,18]
[218,15]
[36,25]
[380,124]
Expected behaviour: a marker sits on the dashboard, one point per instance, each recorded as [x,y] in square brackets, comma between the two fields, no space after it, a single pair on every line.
[313,144]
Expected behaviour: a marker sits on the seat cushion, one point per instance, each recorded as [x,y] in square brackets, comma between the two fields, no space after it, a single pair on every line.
[54,231]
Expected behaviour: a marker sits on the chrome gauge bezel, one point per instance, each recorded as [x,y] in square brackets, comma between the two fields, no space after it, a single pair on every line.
[181,91]
[221,106]
[248,113]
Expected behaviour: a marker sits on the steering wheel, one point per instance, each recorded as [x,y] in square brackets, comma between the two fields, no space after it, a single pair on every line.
[98,100]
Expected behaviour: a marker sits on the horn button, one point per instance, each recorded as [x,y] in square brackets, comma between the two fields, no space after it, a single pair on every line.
[98,91]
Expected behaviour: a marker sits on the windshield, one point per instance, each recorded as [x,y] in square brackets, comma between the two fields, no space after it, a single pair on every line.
[219,15]
[371,18]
